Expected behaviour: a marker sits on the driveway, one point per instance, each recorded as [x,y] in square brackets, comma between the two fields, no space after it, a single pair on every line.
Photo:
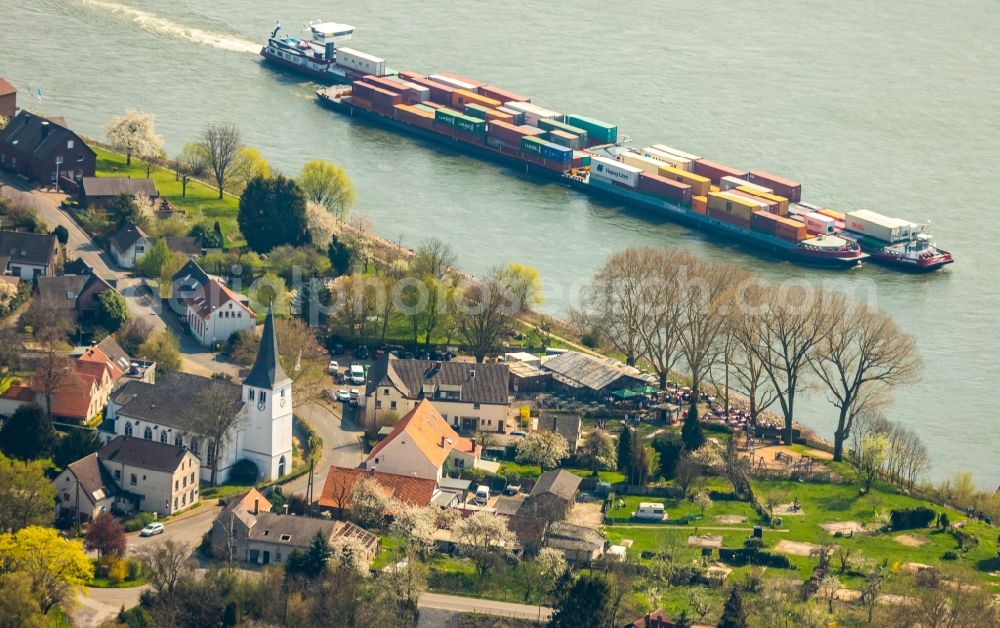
[341,443]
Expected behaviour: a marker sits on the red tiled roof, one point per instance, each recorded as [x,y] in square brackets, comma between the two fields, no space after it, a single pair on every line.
[73,397]
[93,354]
[427,429]
[340,483]
[6,88]
[19,392]
[213,296]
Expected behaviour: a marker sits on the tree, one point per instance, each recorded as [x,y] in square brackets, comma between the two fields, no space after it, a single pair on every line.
[26,494]
[704,501]
[18,607]
[220,143]
[434,257]
[416,525]
[312,562]
[328,185]
[525,284]
[874,449]
[190,163]
[598,451]
[249,164]
[219,415]
[691,433]
[584,602]
[270,290]
[484,538]
[28,434]
[733,615]
[55,567]
[321,225]
[552,563]
[114,310]
[341,256]
[167,564]
[75,444]
[369,504]
[163,348]
[106,535]
[152,262]
[133,333]
[862,357]
[62,234]
[686,473]
[828,588]
[135,135]
[300,355]
[662,308]
[617,301]
[625,449]
[485,310]
[272,212]
[209,238]
[546,449]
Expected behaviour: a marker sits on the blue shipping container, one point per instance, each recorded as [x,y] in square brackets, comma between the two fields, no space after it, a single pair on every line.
[555,151]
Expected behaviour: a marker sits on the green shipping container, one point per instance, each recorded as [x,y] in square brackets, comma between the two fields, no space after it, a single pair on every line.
[468,124]
[532,144]
[425,108]
[600,132]
[476,110]
[554,125]
[446,116]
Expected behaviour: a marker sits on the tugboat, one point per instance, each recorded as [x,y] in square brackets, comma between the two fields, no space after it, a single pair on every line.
[896,243]
[319,58]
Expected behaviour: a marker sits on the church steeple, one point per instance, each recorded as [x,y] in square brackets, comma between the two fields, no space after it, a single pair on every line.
[267,372]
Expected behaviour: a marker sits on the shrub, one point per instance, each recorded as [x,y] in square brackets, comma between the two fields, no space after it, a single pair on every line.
[911,518]
[134,568]
[138,522]
[118,572]
[950,555]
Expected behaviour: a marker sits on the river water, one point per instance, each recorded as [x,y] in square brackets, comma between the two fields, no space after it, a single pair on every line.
[887,105]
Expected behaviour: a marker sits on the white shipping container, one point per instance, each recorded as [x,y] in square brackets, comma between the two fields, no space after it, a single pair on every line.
[876,225]
[611,170]
[537,113]
[731,183]
[647,164]
[450,82]
[417,93]
[668,159]
[359,61]
[818,223]
[674,151]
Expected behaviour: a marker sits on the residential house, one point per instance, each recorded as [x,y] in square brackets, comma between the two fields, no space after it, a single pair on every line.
[579,543]
[28,254]
[109,351]
[246,531]
[407,489]
[188,246]
[129,245]
[78,395]
[77,295]
[471,397]
[420,444]
[128,475]
[594,376]
[170,411]
[552,497]
[656,619]
[211,310]
[569,426]
[529,534]
[100,191]
[8,99]
[44,151]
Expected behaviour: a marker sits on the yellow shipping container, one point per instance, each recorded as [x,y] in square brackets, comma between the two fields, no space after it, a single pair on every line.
[832,213]
[699,185]
[781,200]
[739,206]
[714,188]
[462,97]
[647,164]
[699,204]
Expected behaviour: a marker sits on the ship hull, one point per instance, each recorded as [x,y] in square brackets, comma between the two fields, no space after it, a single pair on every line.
[762,243]
[323,76]
[908,264]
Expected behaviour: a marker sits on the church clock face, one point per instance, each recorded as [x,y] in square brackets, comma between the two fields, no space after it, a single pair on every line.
[282,403]
[260,404]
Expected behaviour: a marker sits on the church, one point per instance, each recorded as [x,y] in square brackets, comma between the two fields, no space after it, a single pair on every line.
[170,411]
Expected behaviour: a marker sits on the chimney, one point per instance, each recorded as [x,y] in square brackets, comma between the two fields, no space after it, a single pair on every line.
[256,506]
[442,442]
[45,128]
[472,373]
[371,472]
[473,444]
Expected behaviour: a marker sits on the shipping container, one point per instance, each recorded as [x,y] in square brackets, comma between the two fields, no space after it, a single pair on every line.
[479,111]
[646,164]
[464,79]
[665,188]
[730,204]
[453,83]
[730,183]
[440,92]
[875,225]
[764,222]
[833,214]
[769,205]
[715,171]
[361,89]
[385,83]
[415,116]
[818,223]
[502,95]
[470,125]
[699,204]
[700,186]
[581,157]
[359,62]
[781,186]
[462,97]
[446,116]
[780,200]
[533,113]
[598,131]
[611,170]
[565,139]
[551,150]
[531,144]
[677,153]
[731,218]
[549,125]
[418,93]
[518,115]
[791,230]
[670,160]
[433,105]
[511,134]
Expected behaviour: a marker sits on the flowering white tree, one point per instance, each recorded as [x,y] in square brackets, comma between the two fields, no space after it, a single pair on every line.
[369,503]
[145,209]
[320,223]
[416,524]
[135,135]
[546,449]
[350,552]
[484,538]
[551,562]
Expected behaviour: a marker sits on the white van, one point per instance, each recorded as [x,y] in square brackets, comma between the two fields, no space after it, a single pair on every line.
[650,511]
[482,495]
[357,374]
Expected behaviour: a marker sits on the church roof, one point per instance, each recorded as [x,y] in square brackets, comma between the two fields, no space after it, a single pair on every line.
[267,371]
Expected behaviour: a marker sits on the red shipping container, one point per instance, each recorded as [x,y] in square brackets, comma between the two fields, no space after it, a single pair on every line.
[730,218]
[772,206]
[502,95]
[665,188]
[716,171]
[364,103]
[765,222]
[508,133]
[386,84]
[361,89]
[781,186]
[439,92]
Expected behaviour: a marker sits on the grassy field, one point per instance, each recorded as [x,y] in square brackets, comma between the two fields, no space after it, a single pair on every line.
[201,204]
[533,471]
[678,509]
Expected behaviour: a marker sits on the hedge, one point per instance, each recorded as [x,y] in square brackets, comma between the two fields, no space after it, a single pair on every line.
[912,518]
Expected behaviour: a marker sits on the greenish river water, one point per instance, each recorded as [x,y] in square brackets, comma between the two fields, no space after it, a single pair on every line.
[889,105]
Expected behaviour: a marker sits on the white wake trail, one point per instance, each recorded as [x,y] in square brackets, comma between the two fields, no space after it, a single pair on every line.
[162,26]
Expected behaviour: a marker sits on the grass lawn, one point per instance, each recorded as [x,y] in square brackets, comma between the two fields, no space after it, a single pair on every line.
[390,550]
[201,204]
[682,508]
[104,582]
[226,490]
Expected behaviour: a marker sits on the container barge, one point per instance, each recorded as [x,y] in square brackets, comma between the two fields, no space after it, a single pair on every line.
[753,208]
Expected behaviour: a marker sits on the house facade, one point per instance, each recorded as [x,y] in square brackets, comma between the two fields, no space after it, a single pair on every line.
[100,191]
[44,151]
[77,295]
[407,489]
[210,309]
[470,397]
[26,255]
[78,395]
[421,444]
[128,245]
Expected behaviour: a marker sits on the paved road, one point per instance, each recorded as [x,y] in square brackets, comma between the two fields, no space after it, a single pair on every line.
[459,604]
[341,443]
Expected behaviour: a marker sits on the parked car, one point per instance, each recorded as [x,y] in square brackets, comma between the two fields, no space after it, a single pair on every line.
[406,355]
[355,396]
[343,395]
[333,367]
[512,489]
[361,352]
[482,495]
[519,433]
[152,529]
[357,374]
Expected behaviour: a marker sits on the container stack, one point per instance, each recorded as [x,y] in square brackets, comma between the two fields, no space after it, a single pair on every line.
[781,186]
[598,131]
[715,171]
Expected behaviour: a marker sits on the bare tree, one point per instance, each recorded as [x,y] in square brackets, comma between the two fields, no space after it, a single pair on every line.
[863,356]
[748,370]
[221,143]
[191,162]
[434,257]
[167,563]
[484,312]
[661,322]
[220,416]
[50,327]
[617,300]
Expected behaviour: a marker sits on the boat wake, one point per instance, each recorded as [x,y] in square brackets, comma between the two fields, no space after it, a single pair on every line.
[160,25]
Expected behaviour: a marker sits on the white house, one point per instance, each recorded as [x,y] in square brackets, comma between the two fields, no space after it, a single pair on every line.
[129,245]
[420,445]
[211,310]
[28,254]
[168,412]
[471,397]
